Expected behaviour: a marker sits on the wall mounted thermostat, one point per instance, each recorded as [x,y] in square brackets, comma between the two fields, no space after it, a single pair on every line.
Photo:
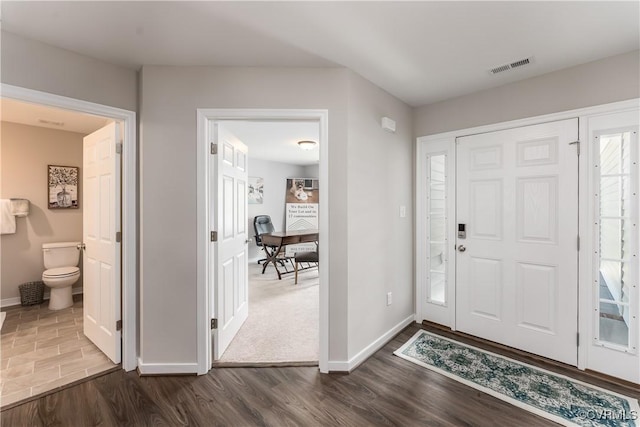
[462,231]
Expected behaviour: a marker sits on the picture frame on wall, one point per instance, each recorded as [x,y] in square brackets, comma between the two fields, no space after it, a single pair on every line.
[62,186]
[256,190]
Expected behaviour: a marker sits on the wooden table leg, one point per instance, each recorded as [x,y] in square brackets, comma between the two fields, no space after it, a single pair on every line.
[272,257]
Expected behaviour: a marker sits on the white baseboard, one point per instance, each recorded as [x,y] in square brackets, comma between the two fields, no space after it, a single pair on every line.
[9,302]
[167,368]
[368,351]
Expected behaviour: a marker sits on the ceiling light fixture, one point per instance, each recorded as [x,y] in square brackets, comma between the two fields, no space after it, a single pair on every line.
[307,145]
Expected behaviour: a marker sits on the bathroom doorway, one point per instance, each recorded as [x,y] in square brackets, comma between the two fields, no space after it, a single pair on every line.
[44,349]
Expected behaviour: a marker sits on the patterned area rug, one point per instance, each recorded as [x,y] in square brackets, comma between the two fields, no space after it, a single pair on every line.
[552,396]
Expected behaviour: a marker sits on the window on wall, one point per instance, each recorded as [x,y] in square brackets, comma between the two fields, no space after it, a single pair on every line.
[437,232]
[616,234]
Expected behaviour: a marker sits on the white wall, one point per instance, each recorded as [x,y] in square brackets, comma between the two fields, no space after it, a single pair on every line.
[275,176]
[26,152]
[35,65]
[169,99]
[380,180]
[599,82]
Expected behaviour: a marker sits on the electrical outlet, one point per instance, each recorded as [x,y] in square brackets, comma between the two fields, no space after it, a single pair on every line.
[403,211]
[389,298]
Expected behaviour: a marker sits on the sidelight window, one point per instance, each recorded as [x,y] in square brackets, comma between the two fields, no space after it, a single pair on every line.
[616,232]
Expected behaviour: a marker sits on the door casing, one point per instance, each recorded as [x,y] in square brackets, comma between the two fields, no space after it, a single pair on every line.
[446,315]
[204,227]
[129,198]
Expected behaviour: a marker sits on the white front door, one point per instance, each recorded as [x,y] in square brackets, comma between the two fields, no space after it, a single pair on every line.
[230,304]
[516,270]
[101,222]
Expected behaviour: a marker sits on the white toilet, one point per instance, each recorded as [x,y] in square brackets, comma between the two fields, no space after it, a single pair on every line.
[61,263]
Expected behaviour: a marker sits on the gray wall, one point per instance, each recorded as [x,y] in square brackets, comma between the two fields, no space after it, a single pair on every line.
[380,180]
[616,78]
[169,99]
[275,176]
[26,152]
[35,65]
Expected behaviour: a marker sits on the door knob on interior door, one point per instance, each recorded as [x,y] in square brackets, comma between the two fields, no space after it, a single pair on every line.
[248,241]
[461,248]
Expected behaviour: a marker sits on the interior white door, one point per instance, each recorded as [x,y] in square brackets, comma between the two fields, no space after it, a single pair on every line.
[229,217]
[101,256]
[516,270]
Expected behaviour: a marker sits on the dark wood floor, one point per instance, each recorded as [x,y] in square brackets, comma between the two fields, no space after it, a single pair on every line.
[385,390]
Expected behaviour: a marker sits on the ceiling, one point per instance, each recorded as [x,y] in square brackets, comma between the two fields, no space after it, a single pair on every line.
[419,51]
[277,140]
[48,117]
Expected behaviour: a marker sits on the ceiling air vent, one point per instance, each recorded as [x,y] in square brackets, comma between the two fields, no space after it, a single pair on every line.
[511,65]
[50,122]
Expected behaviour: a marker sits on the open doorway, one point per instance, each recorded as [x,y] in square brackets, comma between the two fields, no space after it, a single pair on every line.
[283,195]
[215,274]
[46,344]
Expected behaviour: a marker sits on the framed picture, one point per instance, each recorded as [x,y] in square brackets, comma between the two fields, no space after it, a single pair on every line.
[63,187]
[255,190]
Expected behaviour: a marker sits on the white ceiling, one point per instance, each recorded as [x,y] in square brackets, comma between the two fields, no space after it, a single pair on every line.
[277,140]
[48,117]
[420,51]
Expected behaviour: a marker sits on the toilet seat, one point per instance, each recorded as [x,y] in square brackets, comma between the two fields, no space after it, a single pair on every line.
[61,272]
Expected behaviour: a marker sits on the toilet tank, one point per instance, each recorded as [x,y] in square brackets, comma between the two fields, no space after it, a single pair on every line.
[61,254]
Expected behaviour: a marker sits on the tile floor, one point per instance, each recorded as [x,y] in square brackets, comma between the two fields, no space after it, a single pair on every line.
[41,350]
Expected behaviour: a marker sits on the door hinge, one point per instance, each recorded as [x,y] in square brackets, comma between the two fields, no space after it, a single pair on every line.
[118,237]
[214,148]
[119,147]
[214,323]
[578,243]
[577,144]
[119,325]
[214,236]
[578,339]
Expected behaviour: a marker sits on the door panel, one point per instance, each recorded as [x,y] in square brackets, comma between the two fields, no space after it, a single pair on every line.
[101,257]
[517,193]
[230,303]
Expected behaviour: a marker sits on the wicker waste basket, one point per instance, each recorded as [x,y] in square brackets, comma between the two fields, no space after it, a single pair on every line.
[31,293]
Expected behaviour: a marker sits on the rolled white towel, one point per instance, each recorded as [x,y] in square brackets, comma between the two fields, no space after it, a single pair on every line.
[20,207]
[7,220]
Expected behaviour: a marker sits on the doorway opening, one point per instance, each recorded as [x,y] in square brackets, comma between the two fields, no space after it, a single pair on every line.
[45,348]
[283,195]
[274,295]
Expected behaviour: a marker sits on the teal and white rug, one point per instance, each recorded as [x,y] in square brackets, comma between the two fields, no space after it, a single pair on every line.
[552,396]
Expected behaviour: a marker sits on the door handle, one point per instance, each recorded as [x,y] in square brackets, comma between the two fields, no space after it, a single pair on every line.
[461,248]
[248,241]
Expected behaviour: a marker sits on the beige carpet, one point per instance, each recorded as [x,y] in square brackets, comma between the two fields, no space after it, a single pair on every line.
[283,319]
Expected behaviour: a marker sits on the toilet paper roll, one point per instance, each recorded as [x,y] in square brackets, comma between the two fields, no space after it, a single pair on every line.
[20,207]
